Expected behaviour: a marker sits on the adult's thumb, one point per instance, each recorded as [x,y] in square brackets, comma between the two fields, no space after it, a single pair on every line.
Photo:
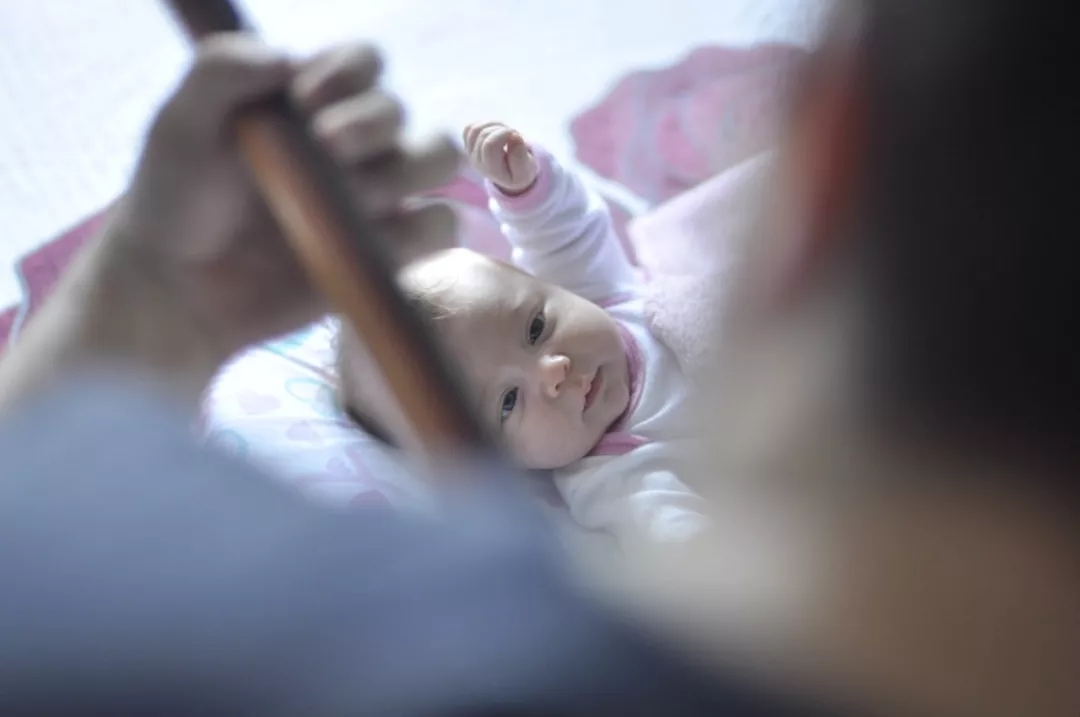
[230,70]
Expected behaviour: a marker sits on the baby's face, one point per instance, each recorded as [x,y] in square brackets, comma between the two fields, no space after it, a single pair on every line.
[546,368]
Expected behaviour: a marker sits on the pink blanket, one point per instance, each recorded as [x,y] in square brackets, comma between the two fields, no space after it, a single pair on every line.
[694,140]
[688,246]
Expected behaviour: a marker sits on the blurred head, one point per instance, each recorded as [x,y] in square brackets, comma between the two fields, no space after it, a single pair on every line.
[898,355]
[926,204]
[546,368]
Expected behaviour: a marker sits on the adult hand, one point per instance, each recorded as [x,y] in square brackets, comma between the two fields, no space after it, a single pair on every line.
[192,214]
[192,268]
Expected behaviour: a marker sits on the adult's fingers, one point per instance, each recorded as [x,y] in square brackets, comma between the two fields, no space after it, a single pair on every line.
[382,183]
[361,127]
[335,75]
[420,230]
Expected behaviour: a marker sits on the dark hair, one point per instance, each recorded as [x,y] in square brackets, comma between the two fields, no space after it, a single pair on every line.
[968,214]
[352,404]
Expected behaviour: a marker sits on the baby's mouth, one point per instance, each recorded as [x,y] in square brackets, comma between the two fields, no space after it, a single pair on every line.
[595,384]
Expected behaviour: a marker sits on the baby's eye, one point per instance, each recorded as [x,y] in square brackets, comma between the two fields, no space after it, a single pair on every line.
[509,400]
[536,328]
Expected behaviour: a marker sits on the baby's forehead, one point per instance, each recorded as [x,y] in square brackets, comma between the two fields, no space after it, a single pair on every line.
[469,285]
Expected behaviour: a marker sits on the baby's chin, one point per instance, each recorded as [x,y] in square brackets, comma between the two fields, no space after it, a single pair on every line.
[569,451]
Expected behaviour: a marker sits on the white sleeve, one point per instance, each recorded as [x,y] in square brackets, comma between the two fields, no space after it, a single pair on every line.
[634,500]
[562,233]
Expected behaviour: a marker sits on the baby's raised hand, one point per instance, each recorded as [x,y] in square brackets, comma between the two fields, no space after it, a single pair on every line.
[502,156]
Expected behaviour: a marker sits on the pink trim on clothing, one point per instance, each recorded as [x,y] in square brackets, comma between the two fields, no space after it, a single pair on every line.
[615,300]
[616,441]
[535,195]
[617,444]
[635,366]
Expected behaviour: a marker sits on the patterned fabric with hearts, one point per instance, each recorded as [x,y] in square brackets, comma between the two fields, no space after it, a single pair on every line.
[275,405]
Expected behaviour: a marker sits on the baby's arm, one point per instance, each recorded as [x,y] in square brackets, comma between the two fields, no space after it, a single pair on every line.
[561,232]
[634,499]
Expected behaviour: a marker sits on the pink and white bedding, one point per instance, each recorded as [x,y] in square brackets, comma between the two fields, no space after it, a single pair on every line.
[275,403]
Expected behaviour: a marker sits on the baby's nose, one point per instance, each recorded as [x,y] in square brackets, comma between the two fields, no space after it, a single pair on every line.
[553,373]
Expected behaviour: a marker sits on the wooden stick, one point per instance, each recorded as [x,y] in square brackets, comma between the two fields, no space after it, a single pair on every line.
[308,195]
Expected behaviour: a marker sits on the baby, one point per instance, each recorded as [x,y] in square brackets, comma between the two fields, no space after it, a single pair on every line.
[555,349]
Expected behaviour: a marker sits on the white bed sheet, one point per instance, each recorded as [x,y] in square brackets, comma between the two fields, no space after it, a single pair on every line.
[79,79]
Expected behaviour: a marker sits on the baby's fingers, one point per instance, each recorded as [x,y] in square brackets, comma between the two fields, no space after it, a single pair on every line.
[471,134]
[492,149]
[520,160]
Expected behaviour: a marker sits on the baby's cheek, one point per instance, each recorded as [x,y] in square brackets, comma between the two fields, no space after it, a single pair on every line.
[531,453]
[548,441]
